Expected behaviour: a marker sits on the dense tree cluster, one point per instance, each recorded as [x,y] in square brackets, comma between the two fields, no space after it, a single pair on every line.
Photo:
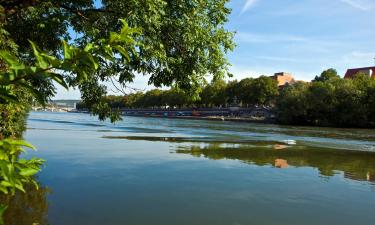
[218,93]
[329,101]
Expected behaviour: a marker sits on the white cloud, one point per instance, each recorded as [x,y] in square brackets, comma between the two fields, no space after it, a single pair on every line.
[358,59]
[283,59]
[271,38]
[364,5]
[248,5]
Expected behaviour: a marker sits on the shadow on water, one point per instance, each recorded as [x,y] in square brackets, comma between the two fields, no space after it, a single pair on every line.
[355,165]
[195,140]
[26,208]
[92,124]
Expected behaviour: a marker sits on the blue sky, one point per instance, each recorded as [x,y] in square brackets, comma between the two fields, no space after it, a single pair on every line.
[302,37]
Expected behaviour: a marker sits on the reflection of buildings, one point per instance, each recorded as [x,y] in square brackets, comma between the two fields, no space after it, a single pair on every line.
[351,73]
[369,176]
[281,163]
[279,147]
[354,165]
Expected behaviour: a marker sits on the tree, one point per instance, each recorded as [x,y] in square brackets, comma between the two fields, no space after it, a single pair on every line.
[349,104]
[259,91]
[321,103]
[218,97]
[263,90]
[213,94]
[232,91]
[133,100]
[177,43]
[115,101]
[175,97]
[333,102]
[151,99]
[244,89]
[327,75]
[180,42]
[292,104]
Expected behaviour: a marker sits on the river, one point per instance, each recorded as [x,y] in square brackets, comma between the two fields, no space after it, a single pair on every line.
[155,171]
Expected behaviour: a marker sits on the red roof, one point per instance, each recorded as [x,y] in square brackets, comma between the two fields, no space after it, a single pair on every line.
[351,73]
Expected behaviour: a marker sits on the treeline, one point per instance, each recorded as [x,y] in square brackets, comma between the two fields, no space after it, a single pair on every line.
[247,92]
[328,100]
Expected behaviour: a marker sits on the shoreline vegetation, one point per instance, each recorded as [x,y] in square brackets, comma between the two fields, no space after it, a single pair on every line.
[326,101]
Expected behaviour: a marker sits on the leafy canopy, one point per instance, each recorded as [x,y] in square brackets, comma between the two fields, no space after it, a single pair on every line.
[179,42]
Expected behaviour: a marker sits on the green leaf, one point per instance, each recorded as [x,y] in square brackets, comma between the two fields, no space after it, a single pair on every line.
[123,52]
[67,51]
[6,184]
[11,60]
[88,47]
[22,143]
[59,79]
[5,191]
[19,186]
[93,61]
[41,62]
[28,172]
[35,93]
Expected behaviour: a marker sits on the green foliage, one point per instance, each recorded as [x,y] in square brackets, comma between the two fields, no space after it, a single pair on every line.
[214,94]
[327,75]
[263,90]
[332,102]
[259,91]
[179,44]
[232,92]
[15,172]
[13,120]
[76,68]
[176,97]
[292,104]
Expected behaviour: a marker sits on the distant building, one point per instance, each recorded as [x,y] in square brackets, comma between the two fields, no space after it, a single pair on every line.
[283,78]
[351,73]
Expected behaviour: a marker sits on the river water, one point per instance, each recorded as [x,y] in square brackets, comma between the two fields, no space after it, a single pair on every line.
[154,171]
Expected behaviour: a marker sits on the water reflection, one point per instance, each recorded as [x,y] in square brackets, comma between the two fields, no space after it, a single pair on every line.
[355,165]
[26,208]
[281,163]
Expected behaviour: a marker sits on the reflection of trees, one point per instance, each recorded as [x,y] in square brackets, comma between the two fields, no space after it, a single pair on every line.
[356,165]
[26,208]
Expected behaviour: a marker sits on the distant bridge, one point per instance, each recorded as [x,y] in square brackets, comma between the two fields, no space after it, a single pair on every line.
[52,109]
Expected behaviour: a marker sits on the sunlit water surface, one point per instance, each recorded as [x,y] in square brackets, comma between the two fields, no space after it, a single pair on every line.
[150,171]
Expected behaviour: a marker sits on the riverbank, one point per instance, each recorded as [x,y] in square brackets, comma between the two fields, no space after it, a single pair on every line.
[213,118]
[239,119]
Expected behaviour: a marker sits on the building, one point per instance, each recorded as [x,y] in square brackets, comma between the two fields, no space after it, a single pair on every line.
[351,73]
[283,78]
